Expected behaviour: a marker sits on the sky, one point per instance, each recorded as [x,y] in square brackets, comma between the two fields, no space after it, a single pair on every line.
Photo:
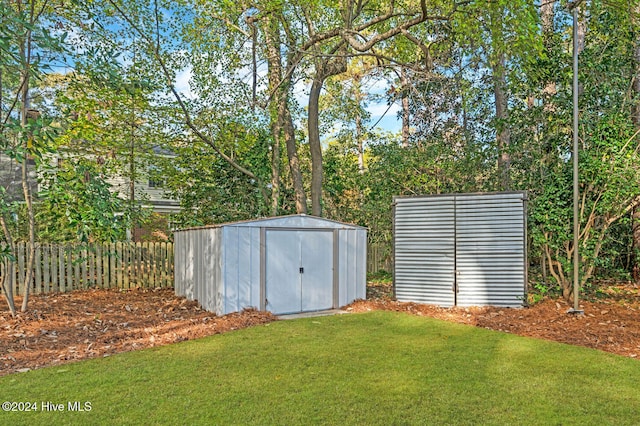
[386,117]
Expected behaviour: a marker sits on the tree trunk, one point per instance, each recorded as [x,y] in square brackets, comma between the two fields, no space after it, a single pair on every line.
[498,64]
[635,116]
[404,82]
[294,161]
[503,134]
[275,172]
[549,91]
[26,71]
[9,271]
[547,15]
[635,245]
[359,138]
[314,146]
[325,68]
[281,122]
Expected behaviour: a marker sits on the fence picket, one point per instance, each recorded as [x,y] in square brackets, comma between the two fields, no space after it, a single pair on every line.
[62,284]
[53,262]
[37,260]
[105,266]
[91,281]
[146,262]
[77,258]
[68,252]
[137,248]
[60,268]
[21,267]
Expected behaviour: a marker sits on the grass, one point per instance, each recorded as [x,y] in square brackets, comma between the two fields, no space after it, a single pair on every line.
[375,368]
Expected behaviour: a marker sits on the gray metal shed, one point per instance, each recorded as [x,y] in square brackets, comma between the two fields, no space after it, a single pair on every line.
[461,249]
[286,264]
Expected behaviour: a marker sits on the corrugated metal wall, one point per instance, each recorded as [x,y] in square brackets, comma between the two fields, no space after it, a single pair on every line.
[461,249]
[424,249]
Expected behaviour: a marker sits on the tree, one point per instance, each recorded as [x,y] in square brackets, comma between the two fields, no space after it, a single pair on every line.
[26,134]
[78,205]
[147,22]
[314,39]
[343,107]
[503,38]
[609,153]
[635,116]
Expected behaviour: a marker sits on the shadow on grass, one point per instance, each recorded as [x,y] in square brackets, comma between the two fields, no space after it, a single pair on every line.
[373,368]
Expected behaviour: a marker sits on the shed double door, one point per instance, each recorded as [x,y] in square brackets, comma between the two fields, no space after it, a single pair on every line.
[299,270]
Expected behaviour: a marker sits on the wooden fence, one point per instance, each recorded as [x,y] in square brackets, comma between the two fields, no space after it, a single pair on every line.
[59,268]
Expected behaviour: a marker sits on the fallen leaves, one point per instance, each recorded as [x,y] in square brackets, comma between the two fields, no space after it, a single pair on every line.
[607,325]
[65,327]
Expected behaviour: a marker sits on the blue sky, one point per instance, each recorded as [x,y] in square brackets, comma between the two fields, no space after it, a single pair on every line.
[381,113]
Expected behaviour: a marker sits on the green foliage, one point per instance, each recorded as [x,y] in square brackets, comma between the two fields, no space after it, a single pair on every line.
[423,168]
[343,183]
[78,205]
[609,177]
[116,106]
[380,277]
[209,189]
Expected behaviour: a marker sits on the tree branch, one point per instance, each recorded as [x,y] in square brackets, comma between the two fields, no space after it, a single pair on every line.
[187,115]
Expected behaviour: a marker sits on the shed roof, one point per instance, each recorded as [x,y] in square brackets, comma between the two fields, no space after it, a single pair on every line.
[290,221]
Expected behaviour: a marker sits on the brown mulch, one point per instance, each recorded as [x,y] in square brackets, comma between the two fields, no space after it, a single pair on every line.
[65,327]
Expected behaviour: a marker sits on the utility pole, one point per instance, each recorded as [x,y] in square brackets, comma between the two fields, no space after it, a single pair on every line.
[573,6]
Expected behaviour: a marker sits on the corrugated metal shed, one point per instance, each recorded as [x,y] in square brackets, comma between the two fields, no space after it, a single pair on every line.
[284,264]
[461,249]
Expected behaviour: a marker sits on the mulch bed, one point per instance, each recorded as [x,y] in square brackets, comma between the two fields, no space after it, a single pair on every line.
[64,327]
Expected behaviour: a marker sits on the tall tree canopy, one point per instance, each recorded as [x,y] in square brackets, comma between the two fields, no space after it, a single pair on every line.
[253,108]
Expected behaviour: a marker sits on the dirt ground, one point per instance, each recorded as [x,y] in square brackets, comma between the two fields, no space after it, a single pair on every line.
[65,327]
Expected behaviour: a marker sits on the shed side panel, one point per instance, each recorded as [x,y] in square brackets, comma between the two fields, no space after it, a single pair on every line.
[360,264]
[204,265]
[189,271]
[213,258]
[490,249]
[218,260]
[424,247]
[346,260]
[241,268]
[231,269]
[180,270]
[200,267]
[195,266]
[253,285]
[352,265]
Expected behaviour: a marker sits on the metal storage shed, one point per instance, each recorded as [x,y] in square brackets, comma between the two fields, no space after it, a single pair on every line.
[461,249]
[286,264]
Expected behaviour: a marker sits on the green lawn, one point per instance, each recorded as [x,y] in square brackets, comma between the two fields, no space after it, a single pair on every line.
[375,368]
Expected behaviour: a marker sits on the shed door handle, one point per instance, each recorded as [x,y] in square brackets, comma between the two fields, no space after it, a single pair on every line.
[302,270]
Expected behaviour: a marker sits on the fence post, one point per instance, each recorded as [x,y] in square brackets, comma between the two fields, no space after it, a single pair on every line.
[63,268]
